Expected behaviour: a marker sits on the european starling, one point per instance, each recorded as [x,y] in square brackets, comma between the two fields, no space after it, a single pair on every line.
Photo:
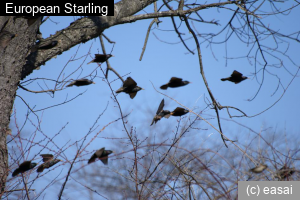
[100,58]
[48,162]
[25,166]
[285,172]
[235,77]
[258,169]
[179,111]
[174,82]
[5,38]
[101,154]
[160,113]
[81,82]
[129,87]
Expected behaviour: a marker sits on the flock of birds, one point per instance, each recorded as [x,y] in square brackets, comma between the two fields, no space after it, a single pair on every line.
[130,87]
[49,161]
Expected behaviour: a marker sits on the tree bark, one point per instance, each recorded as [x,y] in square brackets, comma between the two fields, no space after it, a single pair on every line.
[12,59]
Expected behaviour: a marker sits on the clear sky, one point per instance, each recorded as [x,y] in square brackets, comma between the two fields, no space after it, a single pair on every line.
[164,57]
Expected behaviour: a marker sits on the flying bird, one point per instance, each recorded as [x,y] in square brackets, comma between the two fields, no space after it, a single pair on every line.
[23,167]
[179,111]
[80,82]
[100,58]
[5,38]
[160,113]
[285,172]
[235,77]
[101,154]
[174,82]
[129,87]
[258,169]
[48,162]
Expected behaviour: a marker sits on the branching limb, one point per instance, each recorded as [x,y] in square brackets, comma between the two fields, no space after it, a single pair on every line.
[107,62]
[215,104]
[146,39]
[42,91]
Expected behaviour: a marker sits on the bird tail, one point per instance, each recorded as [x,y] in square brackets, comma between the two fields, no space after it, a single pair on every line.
[90,62]
[40,168]
[119,90]
[91,160]
[16,172]
[224,79]
[152,122]
[164,87]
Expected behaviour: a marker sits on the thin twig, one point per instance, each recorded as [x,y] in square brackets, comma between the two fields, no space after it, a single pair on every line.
[25,185]
[215,104]
[146,39]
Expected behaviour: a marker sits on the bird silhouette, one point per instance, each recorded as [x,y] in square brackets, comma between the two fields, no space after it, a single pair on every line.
[179,111]
[129,87]
[48,162]
[100,58]
[235,77]
[285,172]
[174,82]
[258,169]
[23,167]
[101,154]
[160,113]
[81,82]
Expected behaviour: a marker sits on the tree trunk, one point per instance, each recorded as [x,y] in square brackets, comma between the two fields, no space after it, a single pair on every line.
[15,46]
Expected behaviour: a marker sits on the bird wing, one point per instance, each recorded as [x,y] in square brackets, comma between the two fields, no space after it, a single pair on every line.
[104,160]
[96,155]
[52,162]
[129,82]
[92,159]
[153,120]
[40,168]
[16,172]
[236,74]
[25,164]
[178,109]
[161,106]
[100,152]
[47,157]
[100,57]
[82,80]
[166,113]
[132,95]
[164,87]
[175,79]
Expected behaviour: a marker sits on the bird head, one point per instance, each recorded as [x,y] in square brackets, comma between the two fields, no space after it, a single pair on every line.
[139,88]
[109,152]
[32,165]
[186,82]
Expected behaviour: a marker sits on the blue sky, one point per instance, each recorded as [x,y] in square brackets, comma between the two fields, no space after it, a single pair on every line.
[161,61]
